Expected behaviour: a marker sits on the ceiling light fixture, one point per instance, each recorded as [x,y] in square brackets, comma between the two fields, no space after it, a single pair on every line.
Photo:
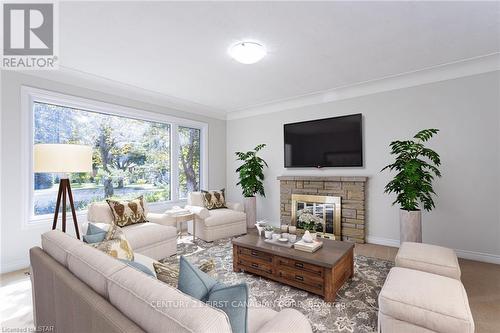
[247,52]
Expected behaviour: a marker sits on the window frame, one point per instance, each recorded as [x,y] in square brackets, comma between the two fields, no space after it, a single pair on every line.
[30,95]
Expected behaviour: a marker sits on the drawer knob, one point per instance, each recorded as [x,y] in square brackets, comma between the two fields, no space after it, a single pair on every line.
[299,265]
[253,253]
[254,265]
[298,277]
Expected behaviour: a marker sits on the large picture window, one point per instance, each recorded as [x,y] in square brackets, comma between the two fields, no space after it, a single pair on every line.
[131,156]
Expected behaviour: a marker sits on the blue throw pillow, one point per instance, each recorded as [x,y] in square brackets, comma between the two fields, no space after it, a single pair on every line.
[94,234]
[93,229]
[138,266]
[95,238]
[193,281]
[233,300]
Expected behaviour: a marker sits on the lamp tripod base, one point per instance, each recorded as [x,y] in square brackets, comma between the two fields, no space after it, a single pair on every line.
[65,190]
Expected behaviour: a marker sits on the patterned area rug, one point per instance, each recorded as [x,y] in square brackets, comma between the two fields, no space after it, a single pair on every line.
[354,310]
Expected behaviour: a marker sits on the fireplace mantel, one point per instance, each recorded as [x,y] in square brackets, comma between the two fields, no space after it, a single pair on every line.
[351,189]
[325,178]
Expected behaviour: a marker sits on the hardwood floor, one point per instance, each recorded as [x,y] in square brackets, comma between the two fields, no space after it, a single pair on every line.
[481,280]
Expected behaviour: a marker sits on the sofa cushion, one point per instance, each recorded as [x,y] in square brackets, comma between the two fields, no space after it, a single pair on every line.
[286,321]
[224,216]
[259,316]
[93,267]
[99,212]
[127,212]
[435,302]
[144,234]
[157,307]
[139,266]
[58,245]
[195,199]
[428,258]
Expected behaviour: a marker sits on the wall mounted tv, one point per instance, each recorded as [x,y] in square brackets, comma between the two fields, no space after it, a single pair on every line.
[330,142]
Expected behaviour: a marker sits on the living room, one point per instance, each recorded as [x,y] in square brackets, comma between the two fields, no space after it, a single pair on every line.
[250,166]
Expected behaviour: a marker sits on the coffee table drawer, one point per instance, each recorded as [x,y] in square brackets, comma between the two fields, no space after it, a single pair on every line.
[300,266]
[252,265]
[255,254]
[297,278]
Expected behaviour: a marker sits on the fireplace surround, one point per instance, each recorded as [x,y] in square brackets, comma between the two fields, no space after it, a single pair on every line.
[323,209]
[350,190]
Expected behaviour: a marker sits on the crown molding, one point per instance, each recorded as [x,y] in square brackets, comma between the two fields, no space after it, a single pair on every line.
[448,71]
[89,81]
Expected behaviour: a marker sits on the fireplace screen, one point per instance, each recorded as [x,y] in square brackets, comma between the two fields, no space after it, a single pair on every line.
[320,213]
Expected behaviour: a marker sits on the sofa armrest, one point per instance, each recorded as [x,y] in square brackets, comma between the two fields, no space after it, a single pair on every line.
[200,212]
[287,321]
[160,218]
[235,206]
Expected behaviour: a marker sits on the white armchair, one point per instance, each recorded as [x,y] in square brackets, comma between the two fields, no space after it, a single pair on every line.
[216,223]
[156,239]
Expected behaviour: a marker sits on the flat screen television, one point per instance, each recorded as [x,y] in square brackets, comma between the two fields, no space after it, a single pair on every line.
[330,142]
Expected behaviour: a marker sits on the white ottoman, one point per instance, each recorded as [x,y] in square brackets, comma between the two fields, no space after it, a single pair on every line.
[428,258]
[415,301]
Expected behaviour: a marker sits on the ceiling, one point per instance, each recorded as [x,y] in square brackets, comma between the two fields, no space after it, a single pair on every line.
[179,49]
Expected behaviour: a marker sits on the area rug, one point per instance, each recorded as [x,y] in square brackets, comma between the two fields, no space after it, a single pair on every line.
[354,310]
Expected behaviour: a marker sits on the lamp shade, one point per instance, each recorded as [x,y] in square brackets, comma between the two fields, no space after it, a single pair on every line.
[62,158]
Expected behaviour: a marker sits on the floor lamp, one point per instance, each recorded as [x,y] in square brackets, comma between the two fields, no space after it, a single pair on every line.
[63,159]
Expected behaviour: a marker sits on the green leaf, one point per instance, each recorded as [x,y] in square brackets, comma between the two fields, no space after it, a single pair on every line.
[416,166]
[251,172]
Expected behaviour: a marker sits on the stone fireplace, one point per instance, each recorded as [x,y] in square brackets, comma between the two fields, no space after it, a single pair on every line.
[339,202]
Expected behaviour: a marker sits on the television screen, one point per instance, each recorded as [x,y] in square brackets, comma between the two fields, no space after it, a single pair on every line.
[331,142]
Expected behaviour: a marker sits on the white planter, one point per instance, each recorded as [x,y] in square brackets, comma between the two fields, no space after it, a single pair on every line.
[268,234]
[410,226]
[251,211]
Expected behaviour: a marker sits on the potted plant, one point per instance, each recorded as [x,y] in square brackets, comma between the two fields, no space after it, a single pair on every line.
[251,174]
[268,231]
[416,167]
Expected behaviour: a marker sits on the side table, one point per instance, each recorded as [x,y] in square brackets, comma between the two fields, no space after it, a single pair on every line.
[179,219]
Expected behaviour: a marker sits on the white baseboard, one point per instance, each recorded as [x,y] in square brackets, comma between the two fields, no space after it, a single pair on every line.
[382,241]
[479,256]
[14,265]
[465,254]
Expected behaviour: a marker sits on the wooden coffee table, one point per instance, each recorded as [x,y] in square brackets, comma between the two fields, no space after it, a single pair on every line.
[322,272]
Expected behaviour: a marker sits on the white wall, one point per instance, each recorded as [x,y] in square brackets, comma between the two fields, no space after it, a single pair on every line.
[466,110]
[16,241]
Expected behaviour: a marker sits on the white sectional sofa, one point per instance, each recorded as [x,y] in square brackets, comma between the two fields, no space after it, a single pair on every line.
[216,223]
[156,239]
[77,288]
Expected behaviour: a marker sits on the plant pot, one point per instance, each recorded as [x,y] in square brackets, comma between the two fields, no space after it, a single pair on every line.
[268,234]
[251,211]
[410,226]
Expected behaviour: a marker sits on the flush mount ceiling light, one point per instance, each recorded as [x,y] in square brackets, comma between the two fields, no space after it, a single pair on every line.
[247,52]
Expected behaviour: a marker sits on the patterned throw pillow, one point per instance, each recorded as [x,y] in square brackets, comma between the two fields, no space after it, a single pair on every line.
[128,212]
[169,273]
[115,244]
[214,199]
